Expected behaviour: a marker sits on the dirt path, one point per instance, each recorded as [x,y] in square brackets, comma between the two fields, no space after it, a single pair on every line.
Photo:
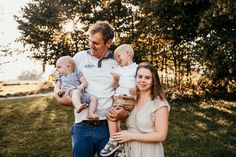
[27,96]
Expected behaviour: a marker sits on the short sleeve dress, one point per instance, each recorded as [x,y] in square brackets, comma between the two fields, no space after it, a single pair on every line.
[142,121]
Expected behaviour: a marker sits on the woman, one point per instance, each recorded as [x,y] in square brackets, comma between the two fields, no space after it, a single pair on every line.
[148,121]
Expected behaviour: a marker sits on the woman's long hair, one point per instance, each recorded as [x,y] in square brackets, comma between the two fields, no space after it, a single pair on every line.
[156,89]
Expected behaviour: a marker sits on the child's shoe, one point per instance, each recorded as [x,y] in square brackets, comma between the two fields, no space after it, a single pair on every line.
[110,148]
[120,152]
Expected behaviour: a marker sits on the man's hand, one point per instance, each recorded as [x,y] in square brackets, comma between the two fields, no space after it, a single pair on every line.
[65,100]
[117,113]
[60,93]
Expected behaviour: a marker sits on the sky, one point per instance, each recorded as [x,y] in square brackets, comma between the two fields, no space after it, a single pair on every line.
[8,33]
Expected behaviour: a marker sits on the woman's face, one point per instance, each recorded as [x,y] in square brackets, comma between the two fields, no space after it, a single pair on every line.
[144,79]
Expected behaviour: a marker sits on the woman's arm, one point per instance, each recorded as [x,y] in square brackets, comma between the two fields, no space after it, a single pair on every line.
[160,134]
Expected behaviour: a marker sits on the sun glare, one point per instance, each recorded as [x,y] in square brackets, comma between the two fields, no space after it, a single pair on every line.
[69,26]
[78,26]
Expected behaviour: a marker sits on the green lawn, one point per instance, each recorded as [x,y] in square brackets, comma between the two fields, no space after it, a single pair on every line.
[39,127]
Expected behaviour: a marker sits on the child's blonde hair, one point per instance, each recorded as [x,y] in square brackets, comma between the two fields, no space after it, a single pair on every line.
[68,60]
[125,48]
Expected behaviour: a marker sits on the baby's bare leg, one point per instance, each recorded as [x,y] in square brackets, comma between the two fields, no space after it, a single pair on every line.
[118,126]
[92,108]
[76,100]
[112,127]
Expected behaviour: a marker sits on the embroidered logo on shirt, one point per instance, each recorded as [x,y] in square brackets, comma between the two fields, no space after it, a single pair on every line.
[89,65]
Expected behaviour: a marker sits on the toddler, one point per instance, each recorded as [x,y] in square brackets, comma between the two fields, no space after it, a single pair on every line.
[124,82]
[71,80]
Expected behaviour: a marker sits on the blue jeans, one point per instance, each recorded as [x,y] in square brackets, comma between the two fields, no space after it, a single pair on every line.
[88,139]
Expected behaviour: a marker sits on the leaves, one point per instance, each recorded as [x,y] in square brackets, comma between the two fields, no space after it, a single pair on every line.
[179,37]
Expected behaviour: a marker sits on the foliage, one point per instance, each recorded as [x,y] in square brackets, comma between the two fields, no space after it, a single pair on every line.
[43,25]
[203,35]
[6,51]
[40,28]
[220,88]
[179,37]
[217,51]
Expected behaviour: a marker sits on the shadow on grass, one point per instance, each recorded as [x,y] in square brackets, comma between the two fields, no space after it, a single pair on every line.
[204,128]
[40,127]
[35,127]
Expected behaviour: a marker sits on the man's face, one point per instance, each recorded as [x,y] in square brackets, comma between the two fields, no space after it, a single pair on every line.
[98,47]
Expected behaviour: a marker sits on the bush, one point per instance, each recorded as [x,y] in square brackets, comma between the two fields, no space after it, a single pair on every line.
[220,88]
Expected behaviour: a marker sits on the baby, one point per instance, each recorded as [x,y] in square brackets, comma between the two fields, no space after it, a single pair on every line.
[71,80]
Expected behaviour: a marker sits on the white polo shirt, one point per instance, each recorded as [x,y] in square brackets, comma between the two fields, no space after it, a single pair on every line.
[98,74]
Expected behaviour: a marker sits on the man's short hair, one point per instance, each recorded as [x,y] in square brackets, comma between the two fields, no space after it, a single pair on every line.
[104,28]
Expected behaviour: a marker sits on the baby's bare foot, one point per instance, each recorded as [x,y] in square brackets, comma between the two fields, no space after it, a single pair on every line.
[81,107]
[92,116]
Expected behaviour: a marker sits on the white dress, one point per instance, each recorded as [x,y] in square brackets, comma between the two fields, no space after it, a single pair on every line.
[142,121]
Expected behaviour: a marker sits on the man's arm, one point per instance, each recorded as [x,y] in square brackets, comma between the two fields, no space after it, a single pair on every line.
[65,100]
[115,114]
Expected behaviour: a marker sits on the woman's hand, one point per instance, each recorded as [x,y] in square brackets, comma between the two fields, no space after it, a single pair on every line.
[123,136]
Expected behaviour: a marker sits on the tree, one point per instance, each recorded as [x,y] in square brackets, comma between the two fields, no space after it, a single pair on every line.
[218,30]
[38,25]
[206,29]
[176,36]
[43,23]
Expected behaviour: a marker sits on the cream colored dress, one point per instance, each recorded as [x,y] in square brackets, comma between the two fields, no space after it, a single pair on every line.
[142,121]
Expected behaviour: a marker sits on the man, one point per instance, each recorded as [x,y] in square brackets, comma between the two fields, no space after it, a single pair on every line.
[96,64]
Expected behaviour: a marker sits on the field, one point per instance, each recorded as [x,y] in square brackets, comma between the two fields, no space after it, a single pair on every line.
[40,127]
[21,88]
[33,127]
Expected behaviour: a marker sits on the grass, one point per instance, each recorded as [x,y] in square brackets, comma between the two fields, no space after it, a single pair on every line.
[35,127]
[39,127]
[202,129]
